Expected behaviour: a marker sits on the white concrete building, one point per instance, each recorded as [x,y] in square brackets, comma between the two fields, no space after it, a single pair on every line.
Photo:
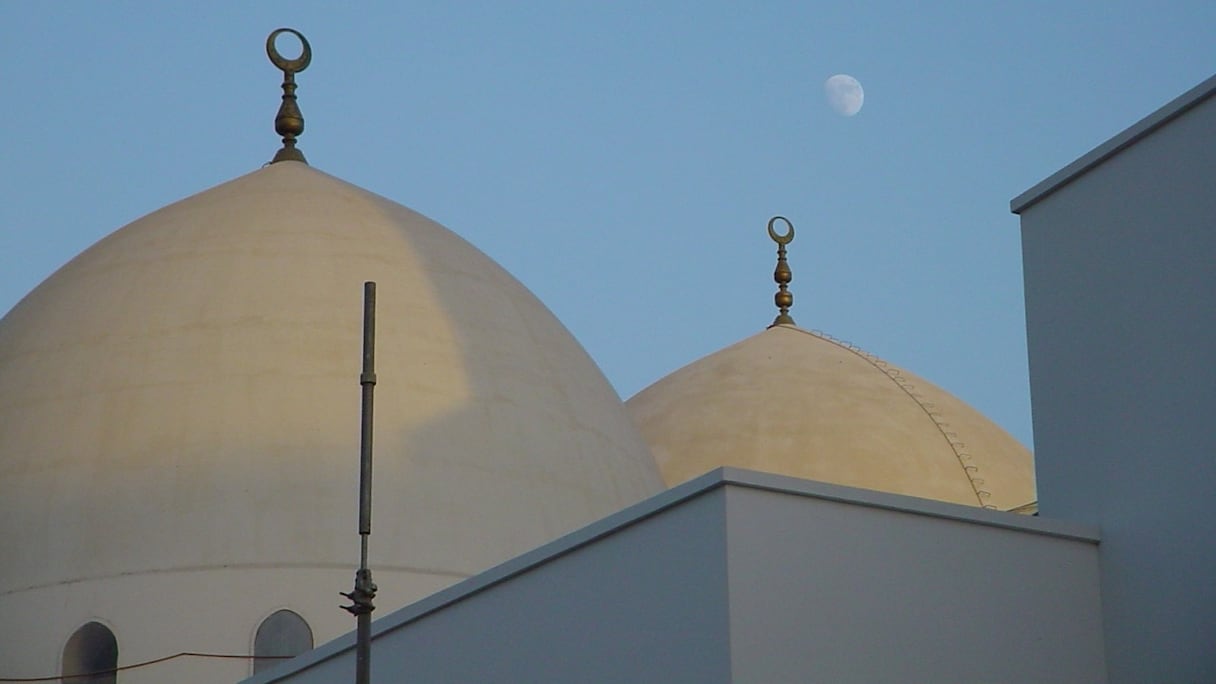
[739,576]
[1120,261]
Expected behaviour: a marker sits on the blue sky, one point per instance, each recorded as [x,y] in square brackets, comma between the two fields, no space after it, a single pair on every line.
[621,159]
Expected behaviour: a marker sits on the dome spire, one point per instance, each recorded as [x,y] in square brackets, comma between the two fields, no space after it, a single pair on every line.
[289,122]
[784,299]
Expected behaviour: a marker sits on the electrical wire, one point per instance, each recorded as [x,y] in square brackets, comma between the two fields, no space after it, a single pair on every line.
[146,663]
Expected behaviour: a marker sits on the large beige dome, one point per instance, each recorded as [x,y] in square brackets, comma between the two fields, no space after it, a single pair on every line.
[179,419]
[796,403]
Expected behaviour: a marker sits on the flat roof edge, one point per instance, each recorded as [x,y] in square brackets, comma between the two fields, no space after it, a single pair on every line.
[1051,527]
[1172,110]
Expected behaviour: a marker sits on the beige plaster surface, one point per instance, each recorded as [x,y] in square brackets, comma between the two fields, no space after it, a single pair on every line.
[209,610]
[184,395]
[792,402]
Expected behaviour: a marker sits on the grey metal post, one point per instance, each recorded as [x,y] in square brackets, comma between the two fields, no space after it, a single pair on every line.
[365,590]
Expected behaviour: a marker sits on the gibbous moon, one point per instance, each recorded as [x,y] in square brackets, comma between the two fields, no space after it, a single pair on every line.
[845,95]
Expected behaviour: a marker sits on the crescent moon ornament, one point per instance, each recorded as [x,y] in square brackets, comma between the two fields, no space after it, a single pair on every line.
[781,239]
[296,65]
[845,94]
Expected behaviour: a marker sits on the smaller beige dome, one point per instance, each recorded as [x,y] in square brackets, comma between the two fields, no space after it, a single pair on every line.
[797,403]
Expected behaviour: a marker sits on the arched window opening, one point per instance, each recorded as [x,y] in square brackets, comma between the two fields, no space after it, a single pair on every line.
[283,634]
[91,656]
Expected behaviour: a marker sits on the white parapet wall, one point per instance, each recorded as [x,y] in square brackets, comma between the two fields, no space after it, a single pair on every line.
[745,577]
[1120,270]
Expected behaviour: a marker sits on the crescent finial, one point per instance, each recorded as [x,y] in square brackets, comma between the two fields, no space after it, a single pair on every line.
[289,122]
[296,65]
[781,239]
[784,299]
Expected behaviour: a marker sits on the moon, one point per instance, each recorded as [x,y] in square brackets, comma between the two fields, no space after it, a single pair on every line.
[844,93]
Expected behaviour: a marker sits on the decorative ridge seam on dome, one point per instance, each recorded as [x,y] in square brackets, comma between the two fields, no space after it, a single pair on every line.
[896,375]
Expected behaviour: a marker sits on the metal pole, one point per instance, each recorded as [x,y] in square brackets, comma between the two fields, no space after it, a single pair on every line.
[365,590]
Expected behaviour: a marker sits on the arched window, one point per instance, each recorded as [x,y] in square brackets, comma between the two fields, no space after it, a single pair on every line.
[90,656]
[282,634]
